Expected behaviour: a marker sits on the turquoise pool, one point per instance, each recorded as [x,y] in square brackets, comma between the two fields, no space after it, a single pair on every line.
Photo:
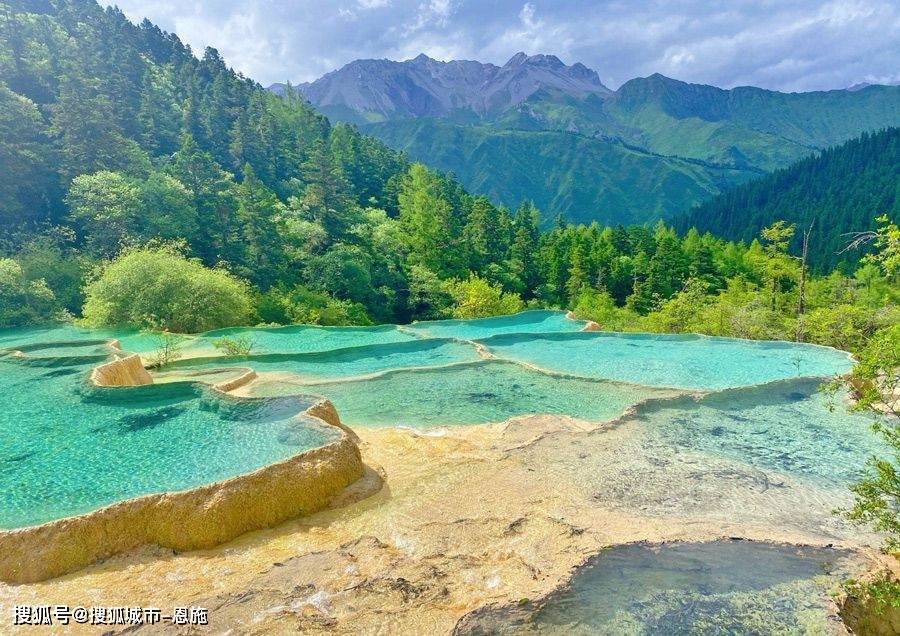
[347,362]
[477,393]
[682,361]
[539,321]
[722,587]
[68,448]
[309,338]
[789,428]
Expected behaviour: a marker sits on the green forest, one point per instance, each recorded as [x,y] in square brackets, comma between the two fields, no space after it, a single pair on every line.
[150,188]
[832,194]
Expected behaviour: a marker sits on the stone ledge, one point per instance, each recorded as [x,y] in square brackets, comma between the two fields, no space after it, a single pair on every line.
[127,371]
[191,519]
[230,385]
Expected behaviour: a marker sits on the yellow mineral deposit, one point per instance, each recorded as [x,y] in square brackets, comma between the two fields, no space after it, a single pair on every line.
[127,371]
[465,517]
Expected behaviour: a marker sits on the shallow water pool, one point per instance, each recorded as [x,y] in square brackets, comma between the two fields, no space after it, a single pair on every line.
[722,587]
[687,361]
[349,362]
[308,338]
[788,427]
[525,322]
[477,393]
[67,448]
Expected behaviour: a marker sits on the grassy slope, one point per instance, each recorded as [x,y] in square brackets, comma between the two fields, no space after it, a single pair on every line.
[587,178]
[746,127]
[622,160]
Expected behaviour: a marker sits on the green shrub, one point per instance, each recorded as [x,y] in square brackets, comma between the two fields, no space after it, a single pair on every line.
[680,313]
[23,301]
[63,270]
[477,298]
[237,346]
[158,288]
[166,349]
[600,307]
[301,305]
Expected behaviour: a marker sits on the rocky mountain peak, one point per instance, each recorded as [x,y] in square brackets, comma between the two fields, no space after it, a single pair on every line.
[425,87]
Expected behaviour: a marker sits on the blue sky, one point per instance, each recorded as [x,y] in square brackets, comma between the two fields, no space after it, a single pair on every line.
[791,45]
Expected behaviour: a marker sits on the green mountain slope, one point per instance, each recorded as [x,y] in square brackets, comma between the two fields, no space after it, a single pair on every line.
[615,157]
[586,178]
[742,126]
[82,89]
[839,191]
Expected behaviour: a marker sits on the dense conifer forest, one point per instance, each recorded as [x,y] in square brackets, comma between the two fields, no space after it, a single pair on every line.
[834,193]
[123,145]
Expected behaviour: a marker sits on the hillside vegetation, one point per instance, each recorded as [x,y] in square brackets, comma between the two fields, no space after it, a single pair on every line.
[538,129]
[583,178]
[833,194]
[127,152]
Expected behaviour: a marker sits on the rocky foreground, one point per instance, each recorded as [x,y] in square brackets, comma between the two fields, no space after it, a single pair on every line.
[450,520]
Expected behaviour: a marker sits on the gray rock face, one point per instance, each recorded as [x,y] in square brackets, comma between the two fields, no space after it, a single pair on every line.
[423,87]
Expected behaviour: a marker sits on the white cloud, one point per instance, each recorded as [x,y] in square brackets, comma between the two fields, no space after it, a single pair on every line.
[526,16]
[434,13]
[784,44]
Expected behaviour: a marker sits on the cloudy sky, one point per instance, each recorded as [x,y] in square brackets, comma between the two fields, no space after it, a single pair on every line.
[791,45]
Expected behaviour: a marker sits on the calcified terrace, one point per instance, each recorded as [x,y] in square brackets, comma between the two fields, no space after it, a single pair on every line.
[585,439]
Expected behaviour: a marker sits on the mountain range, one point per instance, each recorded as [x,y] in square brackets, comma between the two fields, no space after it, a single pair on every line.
[539,129]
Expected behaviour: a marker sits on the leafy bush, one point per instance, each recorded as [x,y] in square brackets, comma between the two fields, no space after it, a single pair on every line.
[477,298]
[63,270]
[237,346]
[23,301]
[883,591]
[157,288]
[680,313]
[600,307]
[166,349]
[301,305]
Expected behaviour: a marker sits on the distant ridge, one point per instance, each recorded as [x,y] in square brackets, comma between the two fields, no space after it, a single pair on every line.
[424,87]
[539,129]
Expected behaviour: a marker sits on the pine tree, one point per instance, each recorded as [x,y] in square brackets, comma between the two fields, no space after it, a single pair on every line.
[258,214]
[426,217]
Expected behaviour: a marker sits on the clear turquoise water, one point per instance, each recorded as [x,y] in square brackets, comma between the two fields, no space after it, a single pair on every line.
[349,362]
[787,427]
[525,322]
[308,338]
[130,340]
[68,448]
[478,393]
[31,335]
[722,588]
[773,456]
[690,362]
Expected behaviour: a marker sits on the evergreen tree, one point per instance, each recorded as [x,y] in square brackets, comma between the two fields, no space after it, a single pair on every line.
[258,213]
[212,193]
[426,217]
[88,141]
[159,117]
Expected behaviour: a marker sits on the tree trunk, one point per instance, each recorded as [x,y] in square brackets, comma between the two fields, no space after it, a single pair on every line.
[801,299]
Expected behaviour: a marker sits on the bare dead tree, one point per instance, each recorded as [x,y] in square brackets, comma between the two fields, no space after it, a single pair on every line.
[801,296]
[858,239]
